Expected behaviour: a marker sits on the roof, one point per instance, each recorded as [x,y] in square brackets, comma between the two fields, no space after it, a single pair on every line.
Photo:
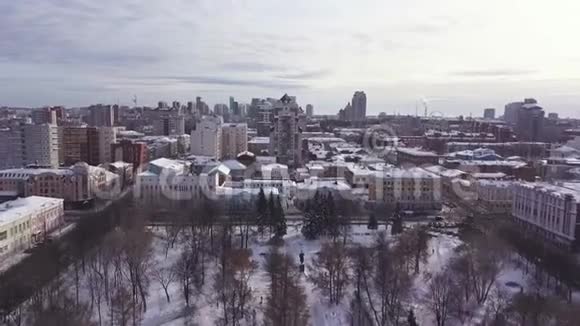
[165,163]
[495,183]
[416,152]
[15,210]
[400,173]
[259,140]
[24,173]
[559,189]
[491,175]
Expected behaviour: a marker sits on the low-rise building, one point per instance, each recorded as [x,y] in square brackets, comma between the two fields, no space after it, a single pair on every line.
[25,221]
[78,185]
[415,156]
[495,196]
[551,211]
[413,189]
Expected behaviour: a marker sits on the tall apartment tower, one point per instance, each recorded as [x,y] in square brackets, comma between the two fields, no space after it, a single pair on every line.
[101,115]
[286,132]
[359,106]
[309,110]
[489,114]
[234,139]
[40,145]
[511,112]
[206,137]
[530,122]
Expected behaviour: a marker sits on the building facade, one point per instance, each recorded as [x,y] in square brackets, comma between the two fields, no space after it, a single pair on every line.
[40,145]
[206,137]
[286,133]
[412,189]
[26,221]
[550,211]
[234,139]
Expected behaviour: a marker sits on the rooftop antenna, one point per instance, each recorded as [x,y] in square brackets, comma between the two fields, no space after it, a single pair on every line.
[425,105]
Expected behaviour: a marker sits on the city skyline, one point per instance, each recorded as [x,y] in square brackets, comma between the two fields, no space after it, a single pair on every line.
[458,57]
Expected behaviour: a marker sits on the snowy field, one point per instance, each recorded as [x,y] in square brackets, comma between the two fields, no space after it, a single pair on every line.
[205,312]
[321,313]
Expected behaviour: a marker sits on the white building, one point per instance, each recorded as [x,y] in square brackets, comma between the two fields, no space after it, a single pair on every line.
[206,137]
[412,189]
[40,145]
[234,139]
[168,180]
[548,210]
[495,195]
[107,136]
[26,221]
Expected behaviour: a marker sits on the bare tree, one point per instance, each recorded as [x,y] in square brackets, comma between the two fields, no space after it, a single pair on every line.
[164,275]
[441,292]
[231,285]
[286,302]
[383,281]
[330,271]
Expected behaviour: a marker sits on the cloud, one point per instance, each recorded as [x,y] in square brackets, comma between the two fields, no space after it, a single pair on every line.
[227,81]
[314,74]
[494,73]
[249,66]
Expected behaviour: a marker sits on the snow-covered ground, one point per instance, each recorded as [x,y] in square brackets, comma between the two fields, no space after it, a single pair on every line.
[206,313]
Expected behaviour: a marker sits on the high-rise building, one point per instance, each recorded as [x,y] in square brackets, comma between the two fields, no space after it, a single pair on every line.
[309,110]
[130,152]
[286,134]
[107,137]
[530,122]
[169,124]
[206,137]
[101,115]
[553,116]
[80,144]
[489,114]
[359,106]
[510,114]
[234,139]
[52,115]
[40,145]
[221,109]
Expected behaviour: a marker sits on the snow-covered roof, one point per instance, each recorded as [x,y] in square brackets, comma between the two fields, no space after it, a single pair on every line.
[24,173]
[259,140]
[416,152]
[560,189]
[165,163]
[399,173]
[495,183]
[488,175]
[15,210]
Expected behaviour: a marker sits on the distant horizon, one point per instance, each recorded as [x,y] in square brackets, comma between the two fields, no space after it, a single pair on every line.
[460,56]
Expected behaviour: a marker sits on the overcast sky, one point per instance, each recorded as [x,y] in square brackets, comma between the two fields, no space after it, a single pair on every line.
[459,56]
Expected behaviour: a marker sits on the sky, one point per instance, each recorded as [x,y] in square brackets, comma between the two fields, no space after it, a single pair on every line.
[455,56]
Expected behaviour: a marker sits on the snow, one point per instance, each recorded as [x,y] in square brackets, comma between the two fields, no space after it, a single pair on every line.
[206,313]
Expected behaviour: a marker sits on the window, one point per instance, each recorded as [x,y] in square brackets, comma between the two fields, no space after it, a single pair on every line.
[3,235]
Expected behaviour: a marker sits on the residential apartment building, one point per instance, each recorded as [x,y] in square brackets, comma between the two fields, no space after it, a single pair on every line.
[40,145]
[26,221]
[286,134]
[412,189]
[206,137]
[550,211]
[103,115]
[234,139]
[131,152]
